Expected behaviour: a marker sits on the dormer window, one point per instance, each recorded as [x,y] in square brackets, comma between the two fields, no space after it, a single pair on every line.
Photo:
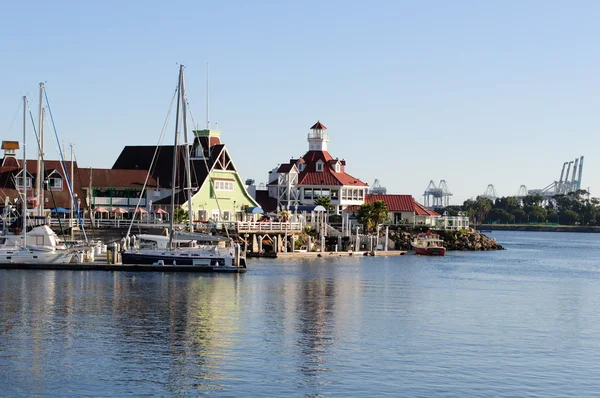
[19,180]
[319,166]
[337,167]
[55,183]
[301,167]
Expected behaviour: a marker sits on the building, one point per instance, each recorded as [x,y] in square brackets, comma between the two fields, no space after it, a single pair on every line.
[217,189]
[317,173]
[403,209]
[110,188]
[55,182]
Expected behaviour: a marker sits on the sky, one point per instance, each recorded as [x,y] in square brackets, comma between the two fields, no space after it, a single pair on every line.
[470,92]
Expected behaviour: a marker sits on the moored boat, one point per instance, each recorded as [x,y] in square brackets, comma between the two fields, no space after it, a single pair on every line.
[429,244]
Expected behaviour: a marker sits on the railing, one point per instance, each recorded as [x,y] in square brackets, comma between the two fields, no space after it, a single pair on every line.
[246,226]
[118,201]
[240,226]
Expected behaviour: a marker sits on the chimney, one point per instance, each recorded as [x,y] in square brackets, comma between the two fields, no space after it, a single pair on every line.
[10,150]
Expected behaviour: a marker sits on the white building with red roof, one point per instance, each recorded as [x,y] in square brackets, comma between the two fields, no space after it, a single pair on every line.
[317,173]
[403,209]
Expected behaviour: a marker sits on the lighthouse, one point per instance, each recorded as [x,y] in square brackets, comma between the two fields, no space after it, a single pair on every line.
[317,138]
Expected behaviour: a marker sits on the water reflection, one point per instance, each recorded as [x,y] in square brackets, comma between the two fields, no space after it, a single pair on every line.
[410,326]
[165,330]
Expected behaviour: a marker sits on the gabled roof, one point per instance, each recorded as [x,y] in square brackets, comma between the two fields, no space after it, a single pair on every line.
[140,158]
[318,126]
[285,168]
[56,198]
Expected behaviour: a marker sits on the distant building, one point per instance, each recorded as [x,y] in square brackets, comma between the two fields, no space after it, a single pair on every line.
[403,209]
[317,173]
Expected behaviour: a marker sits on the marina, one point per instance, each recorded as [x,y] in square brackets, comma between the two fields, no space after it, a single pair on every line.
[315,326]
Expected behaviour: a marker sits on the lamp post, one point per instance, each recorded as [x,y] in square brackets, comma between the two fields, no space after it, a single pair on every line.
[234,214]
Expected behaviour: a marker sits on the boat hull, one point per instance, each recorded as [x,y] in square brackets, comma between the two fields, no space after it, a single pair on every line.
[170,262]
[430,251]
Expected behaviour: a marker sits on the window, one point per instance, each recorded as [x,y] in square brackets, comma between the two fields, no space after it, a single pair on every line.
[335,194]
[202,215]
[223,185]
[301,167]
[226,215]
[215,215]
[337,167]
[308,193]
[319,166]
[19,182]
[55,183]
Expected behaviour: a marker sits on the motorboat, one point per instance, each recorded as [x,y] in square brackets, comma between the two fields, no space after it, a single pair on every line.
[429,244]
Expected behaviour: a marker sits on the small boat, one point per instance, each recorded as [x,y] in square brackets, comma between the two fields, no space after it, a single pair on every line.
[429,244]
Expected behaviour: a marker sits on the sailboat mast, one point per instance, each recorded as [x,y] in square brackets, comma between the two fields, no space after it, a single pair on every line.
[24,176]
[207,120]
[39,180]
[188,165]
[174,174]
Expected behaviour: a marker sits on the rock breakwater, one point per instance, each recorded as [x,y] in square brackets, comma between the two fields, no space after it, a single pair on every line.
[453,240]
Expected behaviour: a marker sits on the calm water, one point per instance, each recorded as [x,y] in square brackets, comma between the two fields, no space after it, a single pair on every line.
[522,322]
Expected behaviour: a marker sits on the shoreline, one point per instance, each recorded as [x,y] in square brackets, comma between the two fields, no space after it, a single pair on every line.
[378,253]
[538,228]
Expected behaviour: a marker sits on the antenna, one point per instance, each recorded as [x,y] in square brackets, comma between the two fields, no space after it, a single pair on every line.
[207,121]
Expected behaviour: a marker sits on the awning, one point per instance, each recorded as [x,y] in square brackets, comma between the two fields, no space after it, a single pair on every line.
[59,210]
[255,210]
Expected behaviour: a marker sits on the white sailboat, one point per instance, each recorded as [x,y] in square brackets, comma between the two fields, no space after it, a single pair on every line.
[15,250]
[201,253]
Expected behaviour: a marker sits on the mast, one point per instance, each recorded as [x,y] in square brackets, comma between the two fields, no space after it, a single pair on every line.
[72,195]
[174,173]
[207,121]
[39,180]
[24,178]
[188,165]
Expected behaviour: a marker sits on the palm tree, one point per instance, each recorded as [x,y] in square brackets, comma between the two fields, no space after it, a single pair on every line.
[380,212]
[365,216]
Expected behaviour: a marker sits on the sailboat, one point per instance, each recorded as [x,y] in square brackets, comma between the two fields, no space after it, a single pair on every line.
[197,252]
[20,251]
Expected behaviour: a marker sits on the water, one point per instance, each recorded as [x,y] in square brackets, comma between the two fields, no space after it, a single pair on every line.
[521,322]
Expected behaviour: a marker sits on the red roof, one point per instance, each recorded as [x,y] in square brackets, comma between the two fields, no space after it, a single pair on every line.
[399,203]
[318,126]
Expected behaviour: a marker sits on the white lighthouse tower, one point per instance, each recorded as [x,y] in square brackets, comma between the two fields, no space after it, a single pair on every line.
[317,139]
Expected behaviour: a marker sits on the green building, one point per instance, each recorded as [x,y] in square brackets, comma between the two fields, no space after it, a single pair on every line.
[218,190]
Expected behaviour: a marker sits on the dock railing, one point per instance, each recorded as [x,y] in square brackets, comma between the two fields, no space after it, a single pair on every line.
[239,226]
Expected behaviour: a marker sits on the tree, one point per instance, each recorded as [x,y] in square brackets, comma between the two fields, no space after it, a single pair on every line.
[380,212]
[324,201]
[365,216]
[180,215]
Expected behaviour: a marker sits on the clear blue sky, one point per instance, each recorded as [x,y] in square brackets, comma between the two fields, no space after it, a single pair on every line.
[467,91]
